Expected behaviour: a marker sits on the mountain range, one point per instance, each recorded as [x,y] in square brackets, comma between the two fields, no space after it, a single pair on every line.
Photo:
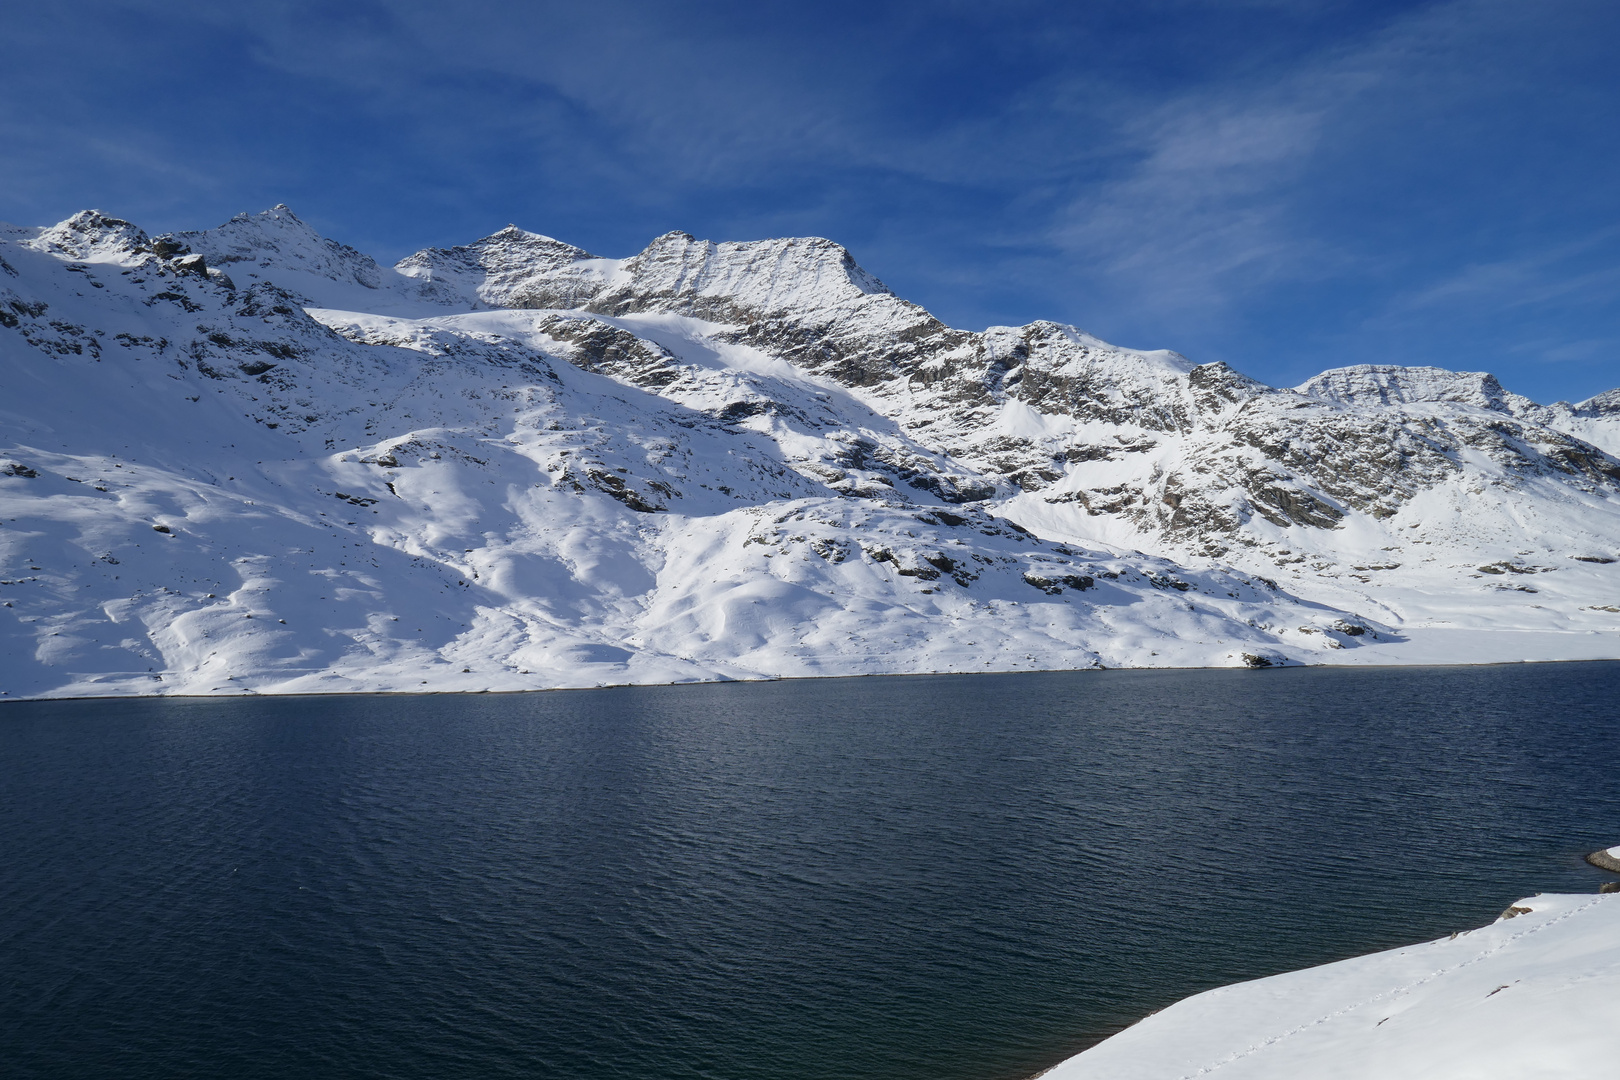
[252,459]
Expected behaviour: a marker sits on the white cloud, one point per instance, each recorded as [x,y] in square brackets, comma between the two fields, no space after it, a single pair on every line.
[1545,275]
[1219,197]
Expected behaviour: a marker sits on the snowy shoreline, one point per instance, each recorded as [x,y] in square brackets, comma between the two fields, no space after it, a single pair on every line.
[249,692]
[1534,994]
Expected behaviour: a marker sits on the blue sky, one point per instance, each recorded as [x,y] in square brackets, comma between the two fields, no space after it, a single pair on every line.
[1286,186]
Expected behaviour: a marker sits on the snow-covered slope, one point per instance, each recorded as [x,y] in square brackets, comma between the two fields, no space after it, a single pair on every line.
[1426,496]
[250,458]
[1531,996]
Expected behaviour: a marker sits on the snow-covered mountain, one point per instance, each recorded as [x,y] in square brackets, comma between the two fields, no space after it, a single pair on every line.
[252,459]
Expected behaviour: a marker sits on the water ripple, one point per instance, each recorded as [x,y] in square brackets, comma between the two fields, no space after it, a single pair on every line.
[921,877]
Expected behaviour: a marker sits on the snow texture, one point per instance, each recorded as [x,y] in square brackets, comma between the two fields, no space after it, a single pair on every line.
[1534,995]
[250,459]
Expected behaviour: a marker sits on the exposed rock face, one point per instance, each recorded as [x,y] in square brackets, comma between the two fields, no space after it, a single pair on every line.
[1605,406]
[1374,384]
[803,300]
[606,349]
[1596,420]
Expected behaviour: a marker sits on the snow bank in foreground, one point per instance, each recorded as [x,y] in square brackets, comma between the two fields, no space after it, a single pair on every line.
[1536,994]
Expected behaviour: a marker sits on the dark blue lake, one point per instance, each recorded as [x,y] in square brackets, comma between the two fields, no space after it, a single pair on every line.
[940,877]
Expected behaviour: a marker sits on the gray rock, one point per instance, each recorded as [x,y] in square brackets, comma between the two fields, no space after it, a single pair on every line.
[1604,861]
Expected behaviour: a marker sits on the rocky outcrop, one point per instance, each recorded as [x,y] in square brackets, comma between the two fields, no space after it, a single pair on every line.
[1383,384]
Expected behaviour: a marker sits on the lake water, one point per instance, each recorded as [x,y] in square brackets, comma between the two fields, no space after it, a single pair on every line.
[930,877]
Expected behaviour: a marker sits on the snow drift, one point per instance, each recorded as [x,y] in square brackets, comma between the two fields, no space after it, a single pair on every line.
[1536,994]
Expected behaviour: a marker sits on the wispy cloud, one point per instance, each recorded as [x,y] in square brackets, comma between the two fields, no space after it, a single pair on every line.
[1223,192]
[1204,202]
[1209,207]
[1546,275]
[1563,351]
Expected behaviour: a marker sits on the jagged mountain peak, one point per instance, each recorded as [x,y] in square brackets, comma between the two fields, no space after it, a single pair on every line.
[1220,373]
[675,272]
[801,299]
[93,236]
[1078,344]
[804,299]
[279,218]
[513,268]
[1606,404]
[529,243]
[536,241]
[278,239]
[278,247]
